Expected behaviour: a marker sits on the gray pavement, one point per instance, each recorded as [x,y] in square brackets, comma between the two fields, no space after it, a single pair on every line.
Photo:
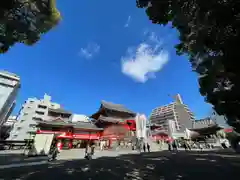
[146,166]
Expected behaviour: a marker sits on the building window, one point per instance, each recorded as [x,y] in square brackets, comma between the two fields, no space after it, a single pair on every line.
[32,125]
[42,106]
[37,119]
[39,112]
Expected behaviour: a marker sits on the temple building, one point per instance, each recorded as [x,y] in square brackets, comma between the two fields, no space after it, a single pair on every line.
[117,121]
[69,134]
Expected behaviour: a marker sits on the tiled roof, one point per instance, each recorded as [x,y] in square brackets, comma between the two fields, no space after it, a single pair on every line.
[110,119]
[84,125]
[116,107]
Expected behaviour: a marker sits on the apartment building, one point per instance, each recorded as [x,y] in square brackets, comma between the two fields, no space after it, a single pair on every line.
[75,118]
[9,87]
[34,110]
[174,117]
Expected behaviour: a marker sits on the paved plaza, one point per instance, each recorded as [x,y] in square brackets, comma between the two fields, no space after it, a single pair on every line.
[122,165]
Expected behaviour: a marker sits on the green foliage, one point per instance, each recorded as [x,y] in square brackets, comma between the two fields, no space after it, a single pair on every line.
[24,21]
[209,33]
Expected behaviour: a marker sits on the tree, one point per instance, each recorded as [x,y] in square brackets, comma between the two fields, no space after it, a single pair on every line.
[24,21]
[209,33]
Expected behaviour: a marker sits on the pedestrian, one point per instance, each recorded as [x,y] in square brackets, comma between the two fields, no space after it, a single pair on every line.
[53,152]
[174,145]
[169,146]
[88,154]
[144,147]
[188,146]
[185,145]
[148,147]
[92,148]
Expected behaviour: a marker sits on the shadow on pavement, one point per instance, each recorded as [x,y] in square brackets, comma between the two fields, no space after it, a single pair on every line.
[149,166]
[10,157]
[16,158]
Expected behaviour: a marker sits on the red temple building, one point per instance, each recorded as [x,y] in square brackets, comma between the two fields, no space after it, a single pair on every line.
[158,133]
[68,133]
[116,120]
[110,123]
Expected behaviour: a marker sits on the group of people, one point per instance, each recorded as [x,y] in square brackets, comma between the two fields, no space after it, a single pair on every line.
[174,145]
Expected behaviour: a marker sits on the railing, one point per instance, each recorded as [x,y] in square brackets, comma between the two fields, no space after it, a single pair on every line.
[16,144]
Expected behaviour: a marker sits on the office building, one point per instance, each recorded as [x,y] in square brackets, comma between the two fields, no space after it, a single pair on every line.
[7,127]
[9,86]
[174,117]
[33,111]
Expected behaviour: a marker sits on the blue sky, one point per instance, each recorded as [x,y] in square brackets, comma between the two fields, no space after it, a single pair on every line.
[103,50]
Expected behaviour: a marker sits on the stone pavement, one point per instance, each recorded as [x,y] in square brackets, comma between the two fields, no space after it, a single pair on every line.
[146,166]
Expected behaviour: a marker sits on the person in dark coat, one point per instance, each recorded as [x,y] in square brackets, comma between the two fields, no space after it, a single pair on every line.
[148,147]
[144,147]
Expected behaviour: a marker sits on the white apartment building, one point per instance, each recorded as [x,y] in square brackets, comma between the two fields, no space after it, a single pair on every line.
[11,121]
[9,86]
[175,115]
[31,111]
[79,118]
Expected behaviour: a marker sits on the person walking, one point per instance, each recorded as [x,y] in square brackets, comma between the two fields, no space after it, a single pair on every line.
[185,145]
[174,145]
[53,151]
[169,146]
[88,154]
[144,147]
[148,147]
[92,148]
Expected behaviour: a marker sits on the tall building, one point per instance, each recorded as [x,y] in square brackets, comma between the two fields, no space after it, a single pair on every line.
[174,117]
[7,127]
[34,110]
[9,86]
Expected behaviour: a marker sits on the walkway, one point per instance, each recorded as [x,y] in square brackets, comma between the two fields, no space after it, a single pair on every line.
[155,166]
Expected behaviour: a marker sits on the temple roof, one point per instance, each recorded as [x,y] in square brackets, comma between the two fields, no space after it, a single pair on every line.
[82,125]
[116,107]
[207,130]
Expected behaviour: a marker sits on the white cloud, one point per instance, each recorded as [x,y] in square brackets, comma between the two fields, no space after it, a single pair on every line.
[90,50]
[143,61]
[128,22]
